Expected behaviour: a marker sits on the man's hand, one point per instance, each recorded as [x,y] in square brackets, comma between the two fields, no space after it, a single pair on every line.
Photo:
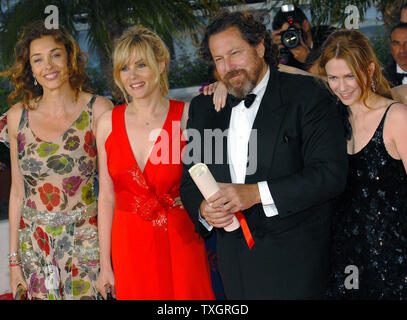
[301,52]
[233,197]
[215,217]
[276,37]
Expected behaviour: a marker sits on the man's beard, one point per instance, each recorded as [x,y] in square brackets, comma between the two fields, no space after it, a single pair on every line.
[246,85]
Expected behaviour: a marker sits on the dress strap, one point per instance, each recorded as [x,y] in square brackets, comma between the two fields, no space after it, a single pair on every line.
[176,109]
[380,127]
[118,123]
[390,106]
[90,108]
[23,119]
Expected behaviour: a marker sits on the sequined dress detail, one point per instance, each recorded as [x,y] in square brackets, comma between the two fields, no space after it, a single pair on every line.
[370,226]
[156,253]
[58,231]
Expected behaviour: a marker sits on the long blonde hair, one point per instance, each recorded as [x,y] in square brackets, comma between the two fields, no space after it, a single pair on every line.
[353,47]
[151,49]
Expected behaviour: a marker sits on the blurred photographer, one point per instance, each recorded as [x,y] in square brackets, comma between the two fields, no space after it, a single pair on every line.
[295,37]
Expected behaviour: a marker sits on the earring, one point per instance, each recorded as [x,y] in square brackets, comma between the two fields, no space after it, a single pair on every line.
[372,85]
[35,81]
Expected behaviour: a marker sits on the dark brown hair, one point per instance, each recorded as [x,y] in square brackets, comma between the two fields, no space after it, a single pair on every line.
[21,73]
[251,28]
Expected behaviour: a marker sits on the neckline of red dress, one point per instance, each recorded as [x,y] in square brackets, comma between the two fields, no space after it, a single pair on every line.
[155,142]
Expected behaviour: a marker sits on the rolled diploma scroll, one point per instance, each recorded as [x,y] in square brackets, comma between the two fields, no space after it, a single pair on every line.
[206,183]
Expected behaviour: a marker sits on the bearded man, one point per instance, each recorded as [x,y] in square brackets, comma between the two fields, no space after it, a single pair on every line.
[283,161]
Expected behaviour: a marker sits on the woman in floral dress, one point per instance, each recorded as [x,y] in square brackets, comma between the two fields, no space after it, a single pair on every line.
[52,210]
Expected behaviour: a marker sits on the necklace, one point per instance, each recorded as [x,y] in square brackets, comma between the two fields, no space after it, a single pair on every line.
[146,122]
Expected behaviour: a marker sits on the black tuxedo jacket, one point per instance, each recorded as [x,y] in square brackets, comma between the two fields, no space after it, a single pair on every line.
[390,72]
[301,150]
[301,153]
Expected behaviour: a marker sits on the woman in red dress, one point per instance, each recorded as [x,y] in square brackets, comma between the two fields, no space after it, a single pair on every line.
[143,228]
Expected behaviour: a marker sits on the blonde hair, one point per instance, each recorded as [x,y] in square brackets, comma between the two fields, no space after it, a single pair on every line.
[353,47]
[151,49]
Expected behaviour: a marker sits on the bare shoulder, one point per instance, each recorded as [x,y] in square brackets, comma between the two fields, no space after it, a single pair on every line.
[289,69]
[397,115]
[186,109]
[105,118]
[13,117]
[102,105]
[400,93]
[15,109]
[104,124]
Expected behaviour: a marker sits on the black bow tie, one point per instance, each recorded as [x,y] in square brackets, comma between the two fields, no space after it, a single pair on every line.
[400,77]
[248,100]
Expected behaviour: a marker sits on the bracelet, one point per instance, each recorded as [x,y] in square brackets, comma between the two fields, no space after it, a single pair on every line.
[14,259]
[11,255]
[15,264]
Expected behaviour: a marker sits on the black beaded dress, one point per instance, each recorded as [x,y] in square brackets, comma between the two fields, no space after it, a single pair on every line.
[370,227]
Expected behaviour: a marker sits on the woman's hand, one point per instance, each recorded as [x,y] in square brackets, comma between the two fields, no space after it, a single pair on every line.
[106,278]
[219,91]
[178,202]
[16,278]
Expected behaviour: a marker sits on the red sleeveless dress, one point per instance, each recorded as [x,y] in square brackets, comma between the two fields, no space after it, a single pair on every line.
[156,253]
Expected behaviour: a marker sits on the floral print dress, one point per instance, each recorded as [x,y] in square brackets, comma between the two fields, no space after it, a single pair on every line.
[58,231]
[3,129]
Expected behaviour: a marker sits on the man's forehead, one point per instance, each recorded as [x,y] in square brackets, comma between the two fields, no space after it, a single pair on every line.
[229,36]
[229,31]
[400,33]
[286,25]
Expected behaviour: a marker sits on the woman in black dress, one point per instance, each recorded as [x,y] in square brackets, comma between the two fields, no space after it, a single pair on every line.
[370,225]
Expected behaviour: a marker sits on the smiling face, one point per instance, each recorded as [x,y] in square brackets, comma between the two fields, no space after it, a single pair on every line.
[49,62]
[239,65]
[342,81]
[138,79]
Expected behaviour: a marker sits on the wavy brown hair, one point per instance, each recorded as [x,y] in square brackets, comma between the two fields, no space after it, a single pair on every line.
[252,29]
[21,74]
[353,47]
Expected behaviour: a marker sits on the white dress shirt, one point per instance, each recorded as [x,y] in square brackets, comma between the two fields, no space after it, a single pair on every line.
[241,123]
[240,126]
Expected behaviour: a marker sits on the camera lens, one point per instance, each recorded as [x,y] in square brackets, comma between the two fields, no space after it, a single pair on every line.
[290,39]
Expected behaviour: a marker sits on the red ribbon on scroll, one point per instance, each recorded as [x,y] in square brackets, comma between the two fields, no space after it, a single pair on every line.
[245,228]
